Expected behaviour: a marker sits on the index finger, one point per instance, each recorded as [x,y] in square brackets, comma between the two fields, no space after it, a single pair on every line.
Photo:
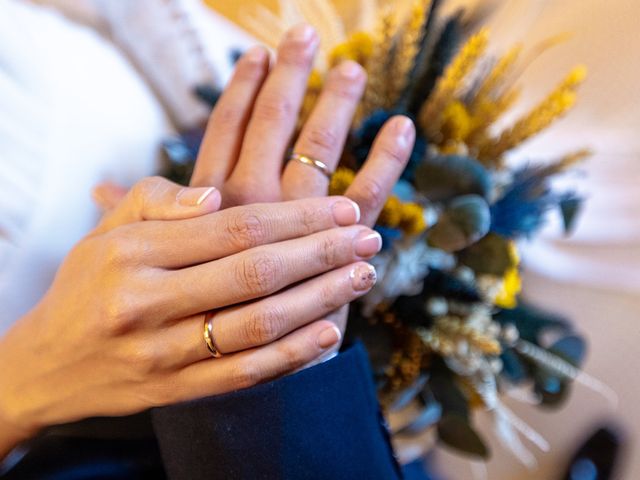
[182,243]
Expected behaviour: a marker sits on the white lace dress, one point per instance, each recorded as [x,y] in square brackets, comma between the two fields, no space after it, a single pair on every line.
[74,110]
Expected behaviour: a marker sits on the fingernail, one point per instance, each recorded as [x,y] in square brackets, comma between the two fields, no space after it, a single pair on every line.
[405,131]
[302,33]
[363,277]
[193,197]
[367,244]
[329,337]
[346,212]
[350,69]
[255,54]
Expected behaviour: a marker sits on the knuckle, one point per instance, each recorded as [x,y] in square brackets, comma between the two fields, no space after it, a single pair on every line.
[331,298]
[246,374]
[391,151]
[227,118]
[265,324]
[371,194]
[120,315]
[328,252]
[274,107]
[246,230]
[258,274]
[312,219]
[292,357]
[295,54]
[120,246]
[146,188]
[249,71]
[158,393]
[145,359]
[323,139]
[345,90]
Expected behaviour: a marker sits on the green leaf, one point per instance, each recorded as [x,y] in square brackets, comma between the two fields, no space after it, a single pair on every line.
[447,394]
[465,221]
[489,256]
[456,432]
[447,176]
[531,321]
[427,417]
[406,396]
[570,209]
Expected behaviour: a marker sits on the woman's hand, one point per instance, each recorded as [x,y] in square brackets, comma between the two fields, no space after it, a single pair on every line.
[120,329]
[252,125]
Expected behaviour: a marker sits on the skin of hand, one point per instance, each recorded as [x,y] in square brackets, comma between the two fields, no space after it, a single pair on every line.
[121,330]
[253,123]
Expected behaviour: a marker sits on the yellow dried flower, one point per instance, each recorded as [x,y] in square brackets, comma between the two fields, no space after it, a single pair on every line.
[447,332]
[341,180]
[358,47]
[451,82]
[511,282]
[409,217]
[456,123]
[376,93]
[408,48]
[557,103]
[496,78]
[391,213]
[412,219]
[511,287]
[486,112]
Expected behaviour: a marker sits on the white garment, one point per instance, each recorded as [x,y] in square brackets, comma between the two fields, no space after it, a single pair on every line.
[73,113]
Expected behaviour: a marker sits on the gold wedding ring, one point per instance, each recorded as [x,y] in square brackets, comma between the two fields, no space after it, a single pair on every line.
[312,162]
[208,335]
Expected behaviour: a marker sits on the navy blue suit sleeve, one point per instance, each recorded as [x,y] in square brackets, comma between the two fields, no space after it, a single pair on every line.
[323,422]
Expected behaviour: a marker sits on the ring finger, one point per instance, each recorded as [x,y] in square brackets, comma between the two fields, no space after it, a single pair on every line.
[255,324]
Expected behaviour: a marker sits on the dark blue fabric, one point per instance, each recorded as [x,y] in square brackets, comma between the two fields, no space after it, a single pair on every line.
[321,423]
[53,457]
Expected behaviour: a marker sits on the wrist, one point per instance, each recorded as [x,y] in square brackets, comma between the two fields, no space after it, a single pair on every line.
[11,436]
[16,425]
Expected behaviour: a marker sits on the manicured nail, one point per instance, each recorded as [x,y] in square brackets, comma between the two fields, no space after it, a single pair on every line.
[193,197]
[405,131]
[367,244]
[256,54]
[329,337]
[302,33]
[363,277]
[346,212]
[350,69]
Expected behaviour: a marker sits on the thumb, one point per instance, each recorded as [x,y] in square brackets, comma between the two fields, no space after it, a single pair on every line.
[107,195]
[156,198]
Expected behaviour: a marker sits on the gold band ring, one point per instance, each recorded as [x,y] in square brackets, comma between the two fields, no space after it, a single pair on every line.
[312,162]
[208,335]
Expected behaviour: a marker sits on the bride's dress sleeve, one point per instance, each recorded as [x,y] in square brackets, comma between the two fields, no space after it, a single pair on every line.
[73,112]
[88,91]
